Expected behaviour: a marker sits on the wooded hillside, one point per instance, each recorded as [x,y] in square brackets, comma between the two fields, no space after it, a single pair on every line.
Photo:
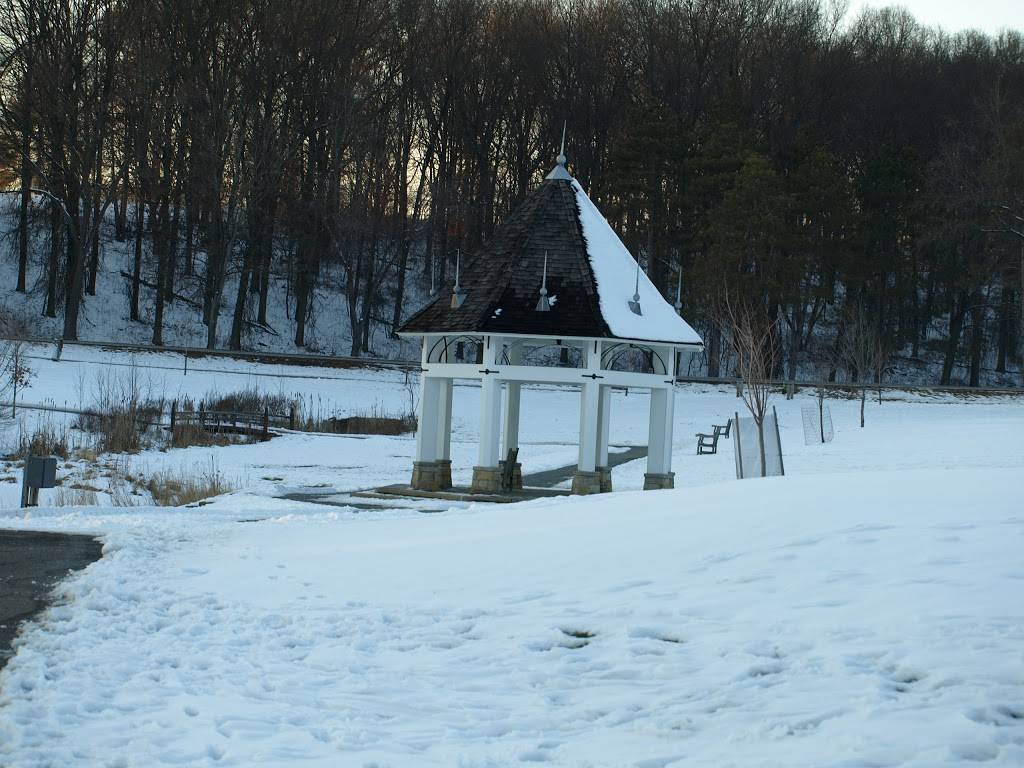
[828,170]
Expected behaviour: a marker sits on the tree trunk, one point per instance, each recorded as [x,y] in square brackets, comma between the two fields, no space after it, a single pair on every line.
[75,267]
[760,444]
[94,245]
[863,398]
[956,323]
[977,338]
[714,350]
[53,263]
[133,306]
[26,203]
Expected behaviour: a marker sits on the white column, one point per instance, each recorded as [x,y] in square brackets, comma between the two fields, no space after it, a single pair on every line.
[604,413]
[670,415]
[510,434]
[490,407]
[590,398]
[659,431]
[427,430]
[444,419]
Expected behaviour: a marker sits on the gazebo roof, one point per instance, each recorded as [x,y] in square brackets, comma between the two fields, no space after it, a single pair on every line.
[591,278]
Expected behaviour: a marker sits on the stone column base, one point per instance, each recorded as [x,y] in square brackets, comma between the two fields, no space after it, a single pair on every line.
[655,481]
[606,479]
[586,483]
[444,471]
[426,476]
[517,475]
[486,480]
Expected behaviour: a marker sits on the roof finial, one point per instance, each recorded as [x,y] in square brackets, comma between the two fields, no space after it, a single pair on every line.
[634,305]
[679,293]
[559,172]
[544,303]
[458,295]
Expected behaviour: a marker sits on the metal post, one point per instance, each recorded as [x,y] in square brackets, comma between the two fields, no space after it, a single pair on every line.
[778,440]
[739,448]
[266,422]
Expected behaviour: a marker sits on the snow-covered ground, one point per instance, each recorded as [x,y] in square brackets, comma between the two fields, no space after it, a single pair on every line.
[865,610]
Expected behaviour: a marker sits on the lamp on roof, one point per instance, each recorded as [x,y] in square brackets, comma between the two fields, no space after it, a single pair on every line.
[458,295]
[544,303]
[634,304]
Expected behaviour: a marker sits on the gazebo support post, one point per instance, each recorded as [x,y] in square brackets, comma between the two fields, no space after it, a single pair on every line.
[587,479]
[603,430]
[425,469]
[444,433]
[487,473]
[510,433]
[659,442]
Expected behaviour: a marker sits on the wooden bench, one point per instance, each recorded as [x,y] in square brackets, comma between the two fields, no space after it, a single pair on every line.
[509,469]
[709,443]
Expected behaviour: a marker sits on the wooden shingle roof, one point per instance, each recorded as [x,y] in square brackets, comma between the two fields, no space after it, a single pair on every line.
[502,279]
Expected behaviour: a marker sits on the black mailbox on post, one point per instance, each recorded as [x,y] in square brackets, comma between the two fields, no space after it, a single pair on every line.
[40,472]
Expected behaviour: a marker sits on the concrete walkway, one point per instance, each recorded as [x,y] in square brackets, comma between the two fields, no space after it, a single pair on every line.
[31,563]
[551,477]
[384,498]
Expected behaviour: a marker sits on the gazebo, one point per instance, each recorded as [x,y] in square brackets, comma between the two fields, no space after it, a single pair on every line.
[554,297]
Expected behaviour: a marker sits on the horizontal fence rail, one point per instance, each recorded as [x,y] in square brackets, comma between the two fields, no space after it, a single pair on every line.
[346,362]
[195,353]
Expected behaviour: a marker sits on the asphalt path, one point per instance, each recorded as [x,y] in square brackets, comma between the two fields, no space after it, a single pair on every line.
[31,564]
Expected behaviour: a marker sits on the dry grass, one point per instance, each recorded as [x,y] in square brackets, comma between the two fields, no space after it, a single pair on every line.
[189,434]
[178,489]
[76,496]
[45,441]
[372,425]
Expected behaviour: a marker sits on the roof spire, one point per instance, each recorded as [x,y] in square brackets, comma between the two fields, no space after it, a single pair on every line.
[559,172]
[679,293]
[544,303]
[458,295]
[634,304]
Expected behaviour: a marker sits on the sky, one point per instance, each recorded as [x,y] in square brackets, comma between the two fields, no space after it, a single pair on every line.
[955,15]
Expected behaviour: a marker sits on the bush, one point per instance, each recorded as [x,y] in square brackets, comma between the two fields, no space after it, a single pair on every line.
[248,400]
[123,412]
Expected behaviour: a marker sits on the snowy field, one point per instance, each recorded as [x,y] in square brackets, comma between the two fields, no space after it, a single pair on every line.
[865,610]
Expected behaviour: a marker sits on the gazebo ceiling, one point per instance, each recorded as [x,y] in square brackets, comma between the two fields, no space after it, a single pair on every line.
[590,278]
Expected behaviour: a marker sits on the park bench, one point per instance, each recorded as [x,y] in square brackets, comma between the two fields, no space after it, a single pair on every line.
[509,468]
[709,443]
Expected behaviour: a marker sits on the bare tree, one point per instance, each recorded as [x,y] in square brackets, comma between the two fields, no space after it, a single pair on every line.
[15,371]
[753,336]
[863,351]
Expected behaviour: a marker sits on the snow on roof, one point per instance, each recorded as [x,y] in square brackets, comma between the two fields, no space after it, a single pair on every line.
[615,272]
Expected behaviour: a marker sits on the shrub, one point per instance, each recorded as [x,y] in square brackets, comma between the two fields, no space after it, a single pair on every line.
[123,412]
